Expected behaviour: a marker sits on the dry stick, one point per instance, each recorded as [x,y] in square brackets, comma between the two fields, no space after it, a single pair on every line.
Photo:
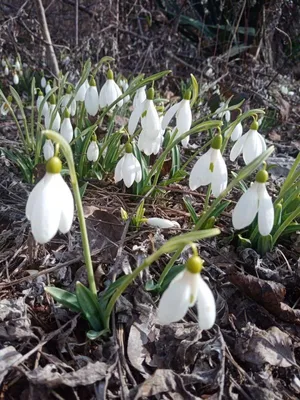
[76,22]
[50,49]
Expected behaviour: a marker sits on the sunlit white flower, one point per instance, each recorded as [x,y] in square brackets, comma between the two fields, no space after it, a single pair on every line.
[17,65]
[50,206]
[210,169]
[128,168]
[109,92]
[43,82]
[65,101]
[124,85]
[3,62]
[251,144]
[39,101]
[16,78]
[48,149]
[6,70]
[236,133]
[150,121]
[93,151]
[91,98]
[183,113]
[184,291]
[5,106]
[147,144]
[221,112]
[255,200]
[80,95]
[48,87]
[55,124]
[139,97]
[66,128]
[162,223]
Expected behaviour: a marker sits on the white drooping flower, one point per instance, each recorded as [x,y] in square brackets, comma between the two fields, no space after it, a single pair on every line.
[128,168]
[236,133]
[43,82]
[183,113]
[39,101]
[124,85]
[66,128]
[65,101]
[148,145]
[251,144]
[50,206]
[139,97]
[147,113]
[48,87]
[93,150]
[221,112]
[55,124]
[109,92]
[17,65]
[255,200]
[80,95]
[48,150]
[210,169]
[162,223]
[5,106]
[91,98]
[184,291]
[3,62]
[6,70]
[16,78]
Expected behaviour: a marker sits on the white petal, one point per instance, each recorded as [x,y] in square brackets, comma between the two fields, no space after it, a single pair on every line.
[185,142]
[67,207]
[252,147]
[119,170]
[162,223]
[140,97]
[82,91]
[46,210]
[246,208]
[237,132]
[33,196]
[219,176]
[108,93]
[263,143]
[238,147]
[48,150]
[138,170]
[66,130]
[134,117]
[151,122]
[91,100]
[206,306]
[129,169]
[169,115]
[184,117]
[265,211]
[174,302]
[119,93]
[93,151]
[201,174]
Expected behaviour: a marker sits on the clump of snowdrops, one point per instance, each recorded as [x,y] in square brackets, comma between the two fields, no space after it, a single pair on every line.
[63,127]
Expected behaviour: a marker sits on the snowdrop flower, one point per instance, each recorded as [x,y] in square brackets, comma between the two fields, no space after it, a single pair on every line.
[162,223]
[109,92]
[48,150]
[48,87]
[6,70]
[91,98]
[128,168]
[17,65]
[255,200]
[16,78]
[66,128]
[210,169]
[139,97]
[39,100]
[93,150]
[148,145]
[183,113]
[3,62]
[221,113]
[65,101]
[184,291]
[55,124]
[251,144]
[43,82]
[236,133]
[50,206]
[147,113]
[80,95]
[124,85]
[5,106]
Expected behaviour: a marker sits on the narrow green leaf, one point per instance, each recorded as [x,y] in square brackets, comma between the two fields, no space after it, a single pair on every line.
[191,210]
[264,244]
[90,307]
[65,298]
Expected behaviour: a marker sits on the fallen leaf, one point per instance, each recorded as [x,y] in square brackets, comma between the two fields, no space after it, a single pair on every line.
[274,136]
[259,347]
[8,356]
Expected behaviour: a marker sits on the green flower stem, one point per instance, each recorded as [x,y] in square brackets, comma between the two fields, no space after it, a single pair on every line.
[285,224]
[174,243]
[206,202]
[247,170]
[64,146]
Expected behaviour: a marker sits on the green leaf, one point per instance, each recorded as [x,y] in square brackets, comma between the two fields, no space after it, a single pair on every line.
[195,90]
[106,295]
[191,210]
[209,223]
[82,189]
[220,208]
[277,216]
[65,298]
[291,229]
[90,307]
[93,335]
[243,242]
[264,244]
[175,160]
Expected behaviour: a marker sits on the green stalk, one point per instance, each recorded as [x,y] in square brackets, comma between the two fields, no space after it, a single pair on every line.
[66,149]
[285,224]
